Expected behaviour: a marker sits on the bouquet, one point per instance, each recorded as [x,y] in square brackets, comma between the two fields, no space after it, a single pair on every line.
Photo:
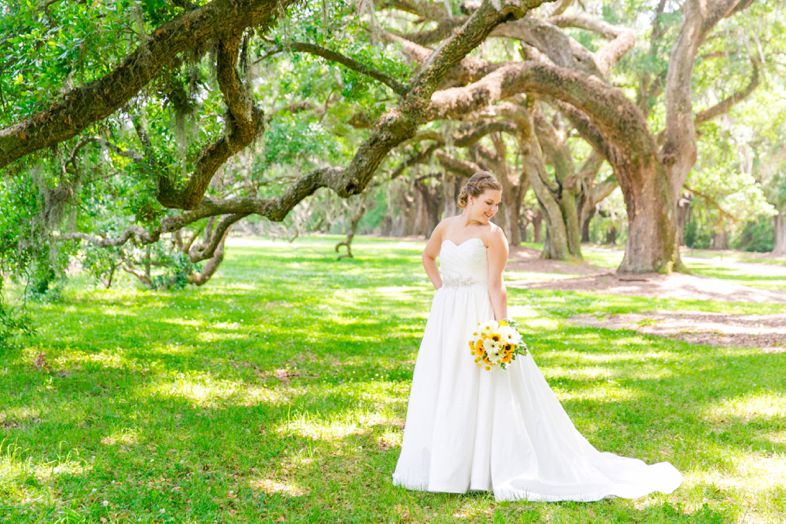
[496,343]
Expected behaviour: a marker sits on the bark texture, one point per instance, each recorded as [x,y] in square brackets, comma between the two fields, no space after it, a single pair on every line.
[780,234]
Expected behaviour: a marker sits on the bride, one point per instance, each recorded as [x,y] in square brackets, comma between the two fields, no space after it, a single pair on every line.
[501,430]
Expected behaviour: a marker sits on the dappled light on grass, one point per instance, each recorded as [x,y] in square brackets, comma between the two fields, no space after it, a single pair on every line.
[15,416]
[601,356]
[402,293]
[74,359]
[205,391]
[749,407]
[25,478]
[188,322]
[274,487]
[122,438]
[610,392]
[279,390]
[776,437]
[512,277]
[213,336]
[585,373]
[331,430]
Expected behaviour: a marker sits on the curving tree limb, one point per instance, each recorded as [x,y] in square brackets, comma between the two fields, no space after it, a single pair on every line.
[723,107]
[347,62]
[96,100]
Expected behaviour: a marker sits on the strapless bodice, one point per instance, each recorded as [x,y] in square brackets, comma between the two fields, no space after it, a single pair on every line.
[464,264]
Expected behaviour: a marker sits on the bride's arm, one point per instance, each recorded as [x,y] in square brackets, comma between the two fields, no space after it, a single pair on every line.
[497,257]
[430,254]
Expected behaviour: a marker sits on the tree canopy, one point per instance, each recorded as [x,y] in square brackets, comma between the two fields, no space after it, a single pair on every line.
[128,124]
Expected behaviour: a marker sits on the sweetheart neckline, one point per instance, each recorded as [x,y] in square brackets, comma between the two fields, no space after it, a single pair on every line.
[467,240]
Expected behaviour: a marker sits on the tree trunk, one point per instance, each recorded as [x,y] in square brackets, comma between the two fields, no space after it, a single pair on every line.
[720,240]
[429,203]
[420,227]
[409,215]
[611,235]
[451,186]
[585,231]
[353,227]
[537,219]
[780,234]
[511,212]
[556,152]
[387,226]
[652,229]
[683,215]
[524,235]
[567,205]
[556,244]
[518,200]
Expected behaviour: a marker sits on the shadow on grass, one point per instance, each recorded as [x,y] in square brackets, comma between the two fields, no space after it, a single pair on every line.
[286,400]
[292,454]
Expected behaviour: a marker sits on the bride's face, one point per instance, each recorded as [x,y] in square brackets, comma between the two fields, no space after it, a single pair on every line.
[484,206]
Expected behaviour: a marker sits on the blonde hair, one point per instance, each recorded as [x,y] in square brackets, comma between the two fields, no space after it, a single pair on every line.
[480,181]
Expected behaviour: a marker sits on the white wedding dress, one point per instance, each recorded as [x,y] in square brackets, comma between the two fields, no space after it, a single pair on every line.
[500,430]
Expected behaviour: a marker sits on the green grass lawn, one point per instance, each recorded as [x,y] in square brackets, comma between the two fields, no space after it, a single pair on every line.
[277,393]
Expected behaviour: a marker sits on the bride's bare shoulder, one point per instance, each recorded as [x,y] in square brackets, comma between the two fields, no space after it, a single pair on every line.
[495,236]
[447,221]
[444,224]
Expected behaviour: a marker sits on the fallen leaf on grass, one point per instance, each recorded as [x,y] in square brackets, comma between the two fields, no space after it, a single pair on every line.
[384,444]
[284,376]
[40,362]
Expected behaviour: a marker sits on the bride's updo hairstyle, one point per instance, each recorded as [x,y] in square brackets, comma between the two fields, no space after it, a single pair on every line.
[480,181]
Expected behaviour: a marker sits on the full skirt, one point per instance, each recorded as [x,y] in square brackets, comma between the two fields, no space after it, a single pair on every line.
[504,431]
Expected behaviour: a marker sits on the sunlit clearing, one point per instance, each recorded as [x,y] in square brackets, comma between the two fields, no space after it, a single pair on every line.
[650,372]
[776,437]
[125,438]
[513,278]
[319,430]
[18,469]
[240,285]
[539,323]
[69,467]
[585,373]
[273,487]
[19,415]
[207,392]
[173,348]
[112,359]
[603,394]
[212,336]
[750,406]
[403,293]
[518,312]
[115,311]
[252,242]
[183,322]
[602,358]
[753,473]
[335,429]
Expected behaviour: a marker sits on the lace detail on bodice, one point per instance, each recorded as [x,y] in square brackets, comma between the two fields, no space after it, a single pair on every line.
[460,281]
